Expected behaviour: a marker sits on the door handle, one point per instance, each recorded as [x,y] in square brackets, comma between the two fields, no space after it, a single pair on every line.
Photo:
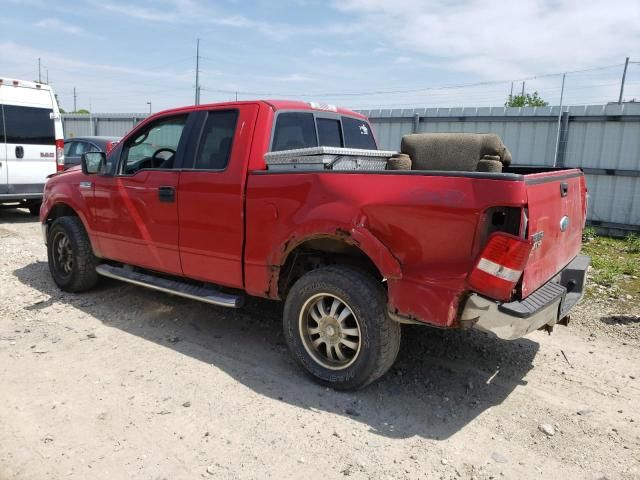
[564,189]
[19,152]
[167,194]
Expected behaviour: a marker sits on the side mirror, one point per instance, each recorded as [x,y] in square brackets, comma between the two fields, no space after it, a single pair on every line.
[93,162]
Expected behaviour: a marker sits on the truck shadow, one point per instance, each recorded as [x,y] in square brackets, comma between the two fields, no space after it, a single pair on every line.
[620,320]
[16,215]
[442,380]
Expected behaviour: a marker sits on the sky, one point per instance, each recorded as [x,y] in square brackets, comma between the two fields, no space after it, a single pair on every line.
[121,54]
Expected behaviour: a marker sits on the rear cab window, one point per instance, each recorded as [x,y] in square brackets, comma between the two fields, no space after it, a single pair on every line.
[329,132]
[295,130]
[357,134]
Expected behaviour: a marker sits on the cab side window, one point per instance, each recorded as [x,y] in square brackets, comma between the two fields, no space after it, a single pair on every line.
[153,147]
[216,140]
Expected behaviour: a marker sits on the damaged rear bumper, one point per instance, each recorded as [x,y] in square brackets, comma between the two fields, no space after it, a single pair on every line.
[546,306]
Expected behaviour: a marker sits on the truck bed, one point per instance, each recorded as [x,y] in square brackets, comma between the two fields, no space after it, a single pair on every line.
[429,221]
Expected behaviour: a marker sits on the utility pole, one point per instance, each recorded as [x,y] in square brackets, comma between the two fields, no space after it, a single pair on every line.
[523,82]
[198,71]
[555,156]
[47,70]
[39,72]
[624,76]
[74,100]
[149,103]
[511,92]
[236,96]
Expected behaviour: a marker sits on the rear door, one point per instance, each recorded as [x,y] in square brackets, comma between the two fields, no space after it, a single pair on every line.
[211,193]
[30,138]
[556,214]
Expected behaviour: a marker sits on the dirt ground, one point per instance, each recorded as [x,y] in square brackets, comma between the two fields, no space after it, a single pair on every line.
[123,382]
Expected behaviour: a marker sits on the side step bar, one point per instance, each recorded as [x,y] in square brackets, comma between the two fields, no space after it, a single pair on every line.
[175,287]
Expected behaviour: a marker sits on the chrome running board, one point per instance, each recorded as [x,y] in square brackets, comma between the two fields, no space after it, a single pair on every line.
[175,287]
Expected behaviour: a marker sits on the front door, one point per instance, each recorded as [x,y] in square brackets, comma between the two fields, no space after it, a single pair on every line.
[136,208]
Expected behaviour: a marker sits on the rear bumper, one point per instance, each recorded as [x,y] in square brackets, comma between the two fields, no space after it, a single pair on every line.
[546,306]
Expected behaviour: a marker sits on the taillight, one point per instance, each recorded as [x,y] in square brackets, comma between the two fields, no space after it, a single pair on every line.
[59,155]
[500,266]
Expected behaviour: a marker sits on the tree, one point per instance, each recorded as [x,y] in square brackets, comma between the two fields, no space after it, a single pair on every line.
[83,110]
[58,102]
[526,100]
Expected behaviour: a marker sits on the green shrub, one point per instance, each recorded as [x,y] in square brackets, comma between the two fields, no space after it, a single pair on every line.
[589,233]
[632,244]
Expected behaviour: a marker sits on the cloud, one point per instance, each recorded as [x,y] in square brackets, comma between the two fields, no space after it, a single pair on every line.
[321,52]
[140,13]
[164,10]
[293,77]
[101,86]
[504,39]
[401,60]
[190,12]
[59,26]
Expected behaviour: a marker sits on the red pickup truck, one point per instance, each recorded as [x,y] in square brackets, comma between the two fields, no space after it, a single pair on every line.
[186,204]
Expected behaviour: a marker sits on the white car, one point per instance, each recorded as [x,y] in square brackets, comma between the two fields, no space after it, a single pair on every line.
[31,141]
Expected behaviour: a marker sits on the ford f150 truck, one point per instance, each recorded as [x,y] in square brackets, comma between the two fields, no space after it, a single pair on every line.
[187,204]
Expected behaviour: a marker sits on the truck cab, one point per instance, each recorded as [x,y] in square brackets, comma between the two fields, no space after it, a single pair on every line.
[187,204]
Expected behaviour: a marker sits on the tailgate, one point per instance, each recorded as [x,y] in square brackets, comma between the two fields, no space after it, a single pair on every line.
[556,210]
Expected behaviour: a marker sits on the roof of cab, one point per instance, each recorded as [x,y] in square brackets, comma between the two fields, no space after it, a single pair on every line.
[23,83]
[315,106]
[274,104]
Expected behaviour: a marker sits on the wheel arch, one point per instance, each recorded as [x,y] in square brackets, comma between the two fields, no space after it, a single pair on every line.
[63,209]
[357,247]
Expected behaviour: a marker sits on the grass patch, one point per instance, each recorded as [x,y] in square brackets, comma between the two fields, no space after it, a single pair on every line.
[633,244]
[615,262]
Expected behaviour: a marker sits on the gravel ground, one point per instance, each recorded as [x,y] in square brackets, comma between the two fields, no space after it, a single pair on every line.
[124,382]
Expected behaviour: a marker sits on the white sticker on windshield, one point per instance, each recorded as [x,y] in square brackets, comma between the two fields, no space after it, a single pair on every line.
[364,130]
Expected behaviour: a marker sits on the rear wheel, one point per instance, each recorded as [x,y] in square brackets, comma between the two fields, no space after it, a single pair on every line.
[336,325]
[71,260]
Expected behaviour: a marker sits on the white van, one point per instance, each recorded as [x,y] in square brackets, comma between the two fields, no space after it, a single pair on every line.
[31,141]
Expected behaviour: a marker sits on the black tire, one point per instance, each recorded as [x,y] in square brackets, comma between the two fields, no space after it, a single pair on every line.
[378,336]
[68,234]
[34,209]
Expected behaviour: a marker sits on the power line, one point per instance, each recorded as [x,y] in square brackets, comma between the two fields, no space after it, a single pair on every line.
[415,90]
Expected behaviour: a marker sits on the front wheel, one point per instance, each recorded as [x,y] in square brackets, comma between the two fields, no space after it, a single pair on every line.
[337,327]
[71,260]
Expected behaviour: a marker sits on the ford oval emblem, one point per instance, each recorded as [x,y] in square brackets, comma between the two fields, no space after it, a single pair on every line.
[564,223]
